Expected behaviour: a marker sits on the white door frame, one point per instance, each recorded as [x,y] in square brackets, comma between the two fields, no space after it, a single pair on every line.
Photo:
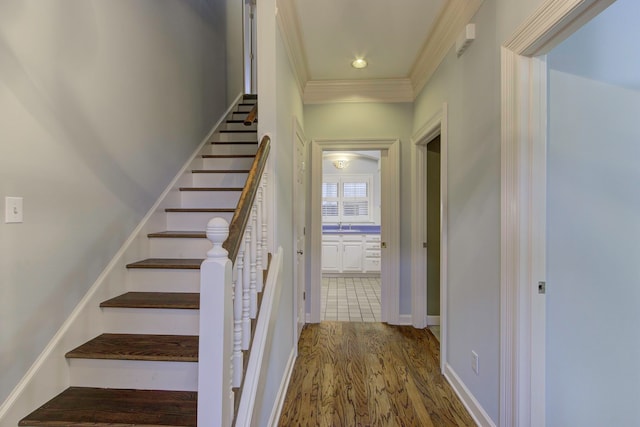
[436,125]
[299,321]
[523,211]
[390,217]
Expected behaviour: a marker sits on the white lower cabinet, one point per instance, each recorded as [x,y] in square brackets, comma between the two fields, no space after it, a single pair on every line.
[350,253]
[331,254]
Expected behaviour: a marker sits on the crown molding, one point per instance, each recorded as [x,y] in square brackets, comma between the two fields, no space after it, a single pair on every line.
[539,34]
[288,22]
[453,17]
[374,90]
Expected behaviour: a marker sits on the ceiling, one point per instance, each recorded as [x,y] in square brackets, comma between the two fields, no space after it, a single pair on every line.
[388,33]
[402,40]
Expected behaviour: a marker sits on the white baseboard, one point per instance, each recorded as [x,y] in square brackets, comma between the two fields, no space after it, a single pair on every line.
[49,374]
[404,319]
[478,413]
[433,320]
[282,391]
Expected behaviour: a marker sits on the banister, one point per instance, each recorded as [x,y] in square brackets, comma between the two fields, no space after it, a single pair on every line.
[247,197]
[252,116]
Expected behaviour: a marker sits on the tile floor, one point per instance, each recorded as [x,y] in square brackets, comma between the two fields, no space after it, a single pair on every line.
[351,299]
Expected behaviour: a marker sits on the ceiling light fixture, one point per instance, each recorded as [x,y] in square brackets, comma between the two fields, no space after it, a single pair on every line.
[359,63]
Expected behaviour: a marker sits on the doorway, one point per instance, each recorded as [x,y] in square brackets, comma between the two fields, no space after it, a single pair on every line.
[389,224]
[523,259]
[351,244]
[429,228]
[433,235]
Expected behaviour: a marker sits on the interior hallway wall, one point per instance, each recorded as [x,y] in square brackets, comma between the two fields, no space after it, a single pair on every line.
[374,120]
[101,103]
[470,85]
[593,225]
[280,101]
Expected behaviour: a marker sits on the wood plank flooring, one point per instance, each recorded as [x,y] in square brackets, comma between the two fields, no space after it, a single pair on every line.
[369,374]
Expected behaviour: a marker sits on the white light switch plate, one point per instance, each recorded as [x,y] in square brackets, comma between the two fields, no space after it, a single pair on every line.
[12,210]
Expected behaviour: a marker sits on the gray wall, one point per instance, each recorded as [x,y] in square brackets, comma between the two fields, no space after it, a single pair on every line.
[471,86]
[374,120]
[288,105]
[235,48]
[593,226]
[101,104]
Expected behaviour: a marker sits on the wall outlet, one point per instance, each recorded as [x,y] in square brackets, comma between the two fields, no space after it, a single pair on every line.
[12,210]
[475,362]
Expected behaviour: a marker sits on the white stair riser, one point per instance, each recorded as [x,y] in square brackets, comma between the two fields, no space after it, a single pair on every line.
[209,199]
[163,280]
[245,108]
[228,179]
[240,126]
[231,149]
[238,116]
[179,247]
[150,321]
[235,137]
[193,221]
[134,374]
[227,163]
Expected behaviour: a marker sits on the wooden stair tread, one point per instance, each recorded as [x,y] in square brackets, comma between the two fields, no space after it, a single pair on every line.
[250,96]
[211,188]
[253,142]
[169,300]
[239,131]
[168,263]
[220,171]
[168,348]
[212,210]
[81,406]
[179,234]
[228,156]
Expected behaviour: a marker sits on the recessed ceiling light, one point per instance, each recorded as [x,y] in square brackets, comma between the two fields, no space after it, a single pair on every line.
[359,63]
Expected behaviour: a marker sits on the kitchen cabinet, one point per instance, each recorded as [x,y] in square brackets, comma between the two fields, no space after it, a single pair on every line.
[350,253]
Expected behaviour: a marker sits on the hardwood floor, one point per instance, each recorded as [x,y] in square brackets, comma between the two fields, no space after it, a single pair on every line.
[369,374]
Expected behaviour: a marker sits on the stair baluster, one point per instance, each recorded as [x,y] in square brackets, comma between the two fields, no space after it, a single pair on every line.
[237,358]
[253,238]
[246,291]
[258,229]
[263,192]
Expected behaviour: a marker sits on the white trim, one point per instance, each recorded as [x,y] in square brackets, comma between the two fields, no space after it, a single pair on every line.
[454,16]
[390,179]
[405,320]
[265,328]
[476,410]
[288,22]
[433,320]
[50,370]
[373,90]
[298,133]
[522,312]
[282,391]
[436,125]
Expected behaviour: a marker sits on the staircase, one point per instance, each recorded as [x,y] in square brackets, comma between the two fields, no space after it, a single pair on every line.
[143,370]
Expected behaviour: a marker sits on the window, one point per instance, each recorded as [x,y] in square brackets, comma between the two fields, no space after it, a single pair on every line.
[346,198]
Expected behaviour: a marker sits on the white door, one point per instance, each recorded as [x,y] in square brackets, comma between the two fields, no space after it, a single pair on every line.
[299,197]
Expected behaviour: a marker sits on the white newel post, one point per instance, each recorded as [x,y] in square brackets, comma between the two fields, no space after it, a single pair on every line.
[215,395]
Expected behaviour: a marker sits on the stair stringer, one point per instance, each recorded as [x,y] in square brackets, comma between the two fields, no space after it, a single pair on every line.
[50,373]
